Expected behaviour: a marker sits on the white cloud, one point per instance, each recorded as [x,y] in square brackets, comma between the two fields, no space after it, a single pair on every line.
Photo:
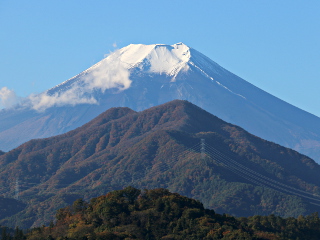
[43,101]
[8,97]
[109,73]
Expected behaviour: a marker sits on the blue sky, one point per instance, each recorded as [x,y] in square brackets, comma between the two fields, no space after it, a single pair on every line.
[274,45]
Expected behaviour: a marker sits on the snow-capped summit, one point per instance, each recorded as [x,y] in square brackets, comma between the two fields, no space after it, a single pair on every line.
[141,76]
[117,70]
[158,58]
[155,58]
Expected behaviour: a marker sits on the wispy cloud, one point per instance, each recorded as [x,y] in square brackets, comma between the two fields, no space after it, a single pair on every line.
[41,102]
[8,97]
[110,73]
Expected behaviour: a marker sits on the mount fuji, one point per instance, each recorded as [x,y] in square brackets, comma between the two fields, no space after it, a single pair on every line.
[141,76]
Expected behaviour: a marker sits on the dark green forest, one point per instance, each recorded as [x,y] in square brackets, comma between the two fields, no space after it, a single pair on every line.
[159,214]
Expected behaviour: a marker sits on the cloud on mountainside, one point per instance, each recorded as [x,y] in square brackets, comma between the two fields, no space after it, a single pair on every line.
[110,73]
[41,102]
[8,98]
[107,74]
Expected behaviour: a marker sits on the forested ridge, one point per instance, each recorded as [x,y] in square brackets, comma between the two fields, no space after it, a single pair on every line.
[159,214]
[235,173]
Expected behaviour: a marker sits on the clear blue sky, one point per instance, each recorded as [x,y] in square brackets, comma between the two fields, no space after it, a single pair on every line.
[272,44]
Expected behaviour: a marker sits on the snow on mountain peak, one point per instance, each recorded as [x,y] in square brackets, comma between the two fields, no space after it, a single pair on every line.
[159,58]
[114,72]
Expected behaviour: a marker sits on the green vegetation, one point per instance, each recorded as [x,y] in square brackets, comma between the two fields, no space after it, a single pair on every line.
[160,214]
[159,148]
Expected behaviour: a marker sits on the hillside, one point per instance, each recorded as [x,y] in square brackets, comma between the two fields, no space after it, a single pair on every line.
[160,214]
[177,146]
[141,76]
[10,206]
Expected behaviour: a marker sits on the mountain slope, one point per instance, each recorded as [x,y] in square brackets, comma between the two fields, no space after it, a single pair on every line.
[141,76]
[158,214]
[229,170]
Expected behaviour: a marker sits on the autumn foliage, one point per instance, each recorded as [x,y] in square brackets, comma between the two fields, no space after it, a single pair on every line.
[160,214]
